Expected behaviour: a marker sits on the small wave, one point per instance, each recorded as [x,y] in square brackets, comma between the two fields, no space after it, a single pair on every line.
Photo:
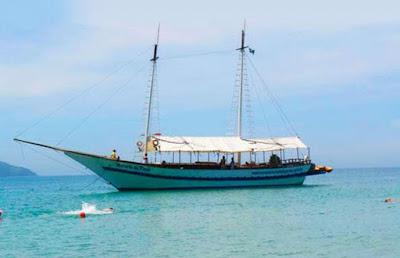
[89,209]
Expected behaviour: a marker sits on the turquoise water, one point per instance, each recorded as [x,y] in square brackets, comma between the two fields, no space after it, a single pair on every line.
[336,215]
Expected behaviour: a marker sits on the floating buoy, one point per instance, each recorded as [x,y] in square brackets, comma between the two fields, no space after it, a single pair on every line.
[323,168]
[1,212]
[82,214]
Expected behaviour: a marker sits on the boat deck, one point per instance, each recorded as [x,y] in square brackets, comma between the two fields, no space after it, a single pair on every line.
[215,165]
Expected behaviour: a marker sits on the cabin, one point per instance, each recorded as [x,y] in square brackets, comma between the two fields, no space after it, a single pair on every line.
[207,152]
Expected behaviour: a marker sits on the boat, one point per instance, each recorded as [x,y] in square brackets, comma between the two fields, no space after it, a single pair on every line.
[182,172]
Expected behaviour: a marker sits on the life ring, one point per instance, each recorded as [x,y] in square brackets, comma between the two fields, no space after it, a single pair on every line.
[139,144]
[155,142]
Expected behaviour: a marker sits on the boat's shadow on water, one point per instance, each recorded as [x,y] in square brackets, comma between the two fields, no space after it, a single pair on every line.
[203,190]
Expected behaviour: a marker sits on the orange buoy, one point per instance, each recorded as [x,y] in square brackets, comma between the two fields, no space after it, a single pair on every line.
[323,169]
[82,214]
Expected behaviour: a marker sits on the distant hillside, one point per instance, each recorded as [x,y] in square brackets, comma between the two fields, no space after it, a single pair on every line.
[8,170]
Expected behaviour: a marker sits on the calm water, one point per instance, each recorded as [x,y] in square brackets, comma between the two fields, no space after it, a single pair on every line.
[336,215]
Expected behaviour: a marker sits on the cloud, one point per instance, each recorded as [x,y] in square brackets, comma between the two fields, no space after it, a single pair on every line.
[100,33]
[333,66]
[206,16]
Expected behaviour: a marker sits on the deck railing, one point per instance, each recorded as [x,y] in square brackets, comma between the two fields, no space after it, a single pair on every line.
[296,161]
[283,163]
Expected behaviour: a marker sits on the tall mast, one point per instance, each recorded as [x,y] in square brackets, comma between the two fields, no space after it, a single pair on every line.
[240,104]
[149,106]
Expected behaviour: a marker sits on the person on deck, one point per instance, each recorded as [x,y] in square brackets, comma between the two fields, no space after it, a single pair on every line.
[223,161]
[232,164]
[275,161]
[114,155]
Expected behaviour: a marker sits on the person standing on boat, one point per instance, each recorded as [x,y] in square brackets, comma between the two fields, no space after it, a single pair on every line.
[114,155]
[232,164]
[223,161]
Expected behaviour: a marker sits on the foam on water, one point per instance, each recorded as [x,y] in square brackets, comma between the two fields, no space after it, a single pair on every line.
[88,208]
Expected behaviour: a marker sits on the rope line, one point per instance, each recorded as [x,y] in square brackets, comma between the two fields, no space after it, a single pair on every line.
[58,161]
[22,151]
[275,101]
[86,90]
[87,117]
[252,82]
[197,54]
[90,184]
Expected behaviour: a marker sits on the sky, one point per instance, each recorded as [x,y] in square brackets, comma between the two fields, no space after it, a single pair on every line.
[333,66]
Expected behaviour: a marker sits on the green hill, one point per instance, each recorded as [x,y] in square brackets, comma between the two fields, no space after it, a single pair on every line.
[8,170]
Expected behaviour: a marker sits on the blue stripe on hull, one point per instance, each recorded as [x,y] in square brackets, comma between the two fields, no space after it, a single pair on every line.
[119,170]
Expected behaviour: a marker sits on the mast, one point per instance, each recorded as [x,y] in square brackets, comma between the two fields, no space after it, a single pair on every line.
[149,106]
[240,104]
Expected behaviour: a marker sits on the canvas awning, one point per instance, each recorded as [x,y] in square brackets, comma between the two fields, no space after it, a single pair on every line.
[229,144]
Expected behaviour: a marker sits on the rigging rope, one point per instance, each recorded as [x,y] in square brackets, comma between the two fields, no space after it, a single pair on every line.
[275,101]
[252,82]
[58,161]
[81,171]
[22,151]
[90,184]
[197,54]
[86,90]
[123,86]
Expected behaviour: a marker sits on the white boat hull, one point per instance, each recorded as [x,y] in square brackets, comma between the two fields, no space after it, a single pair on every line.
[125,175]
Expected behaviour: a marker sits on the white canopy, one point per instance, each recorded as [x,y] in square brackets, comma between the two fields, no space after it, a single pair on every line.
[222,144]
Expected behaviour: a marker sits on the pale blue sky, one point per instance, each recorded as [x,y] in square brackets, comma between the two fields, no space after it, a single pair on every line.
[334,66]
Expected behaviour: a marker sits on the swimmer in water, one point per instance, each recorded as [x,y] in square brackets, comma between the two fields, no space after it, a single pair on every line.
[108,210]
[389,200]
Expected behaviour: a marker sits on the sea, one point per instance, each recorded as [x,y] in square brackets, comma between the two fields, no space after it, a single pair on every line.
[341,214]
